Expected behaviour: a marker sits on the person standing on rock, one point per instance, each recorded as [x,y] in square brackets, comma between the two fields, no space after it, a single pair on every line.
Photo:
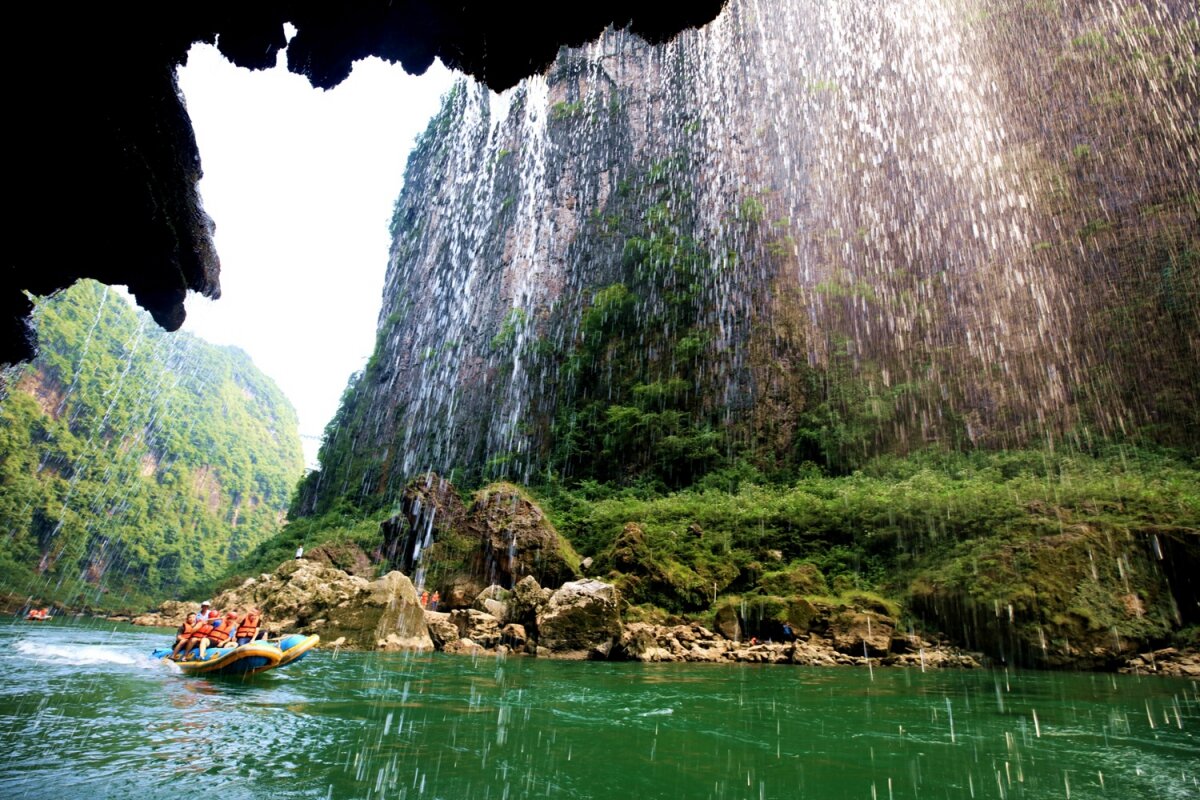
[424,599]
[300,552]
[433,601]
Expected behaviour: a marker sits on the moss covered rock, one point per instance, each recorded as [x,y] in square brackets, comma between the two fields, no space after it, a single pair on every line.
[518,540]
[1081,597]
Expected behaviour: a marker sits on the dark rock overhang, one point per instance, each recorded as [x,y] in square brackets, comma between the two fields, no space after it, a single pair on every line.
[103,163]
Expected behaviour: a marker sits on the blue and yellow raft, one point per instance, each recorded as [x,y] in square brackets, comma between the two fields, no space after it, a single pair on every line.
[248,659]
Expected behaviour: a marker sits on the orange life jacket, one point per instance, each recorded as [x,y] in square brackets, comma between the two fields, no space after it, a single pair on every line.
[218,635]
[248,626]
[187,631]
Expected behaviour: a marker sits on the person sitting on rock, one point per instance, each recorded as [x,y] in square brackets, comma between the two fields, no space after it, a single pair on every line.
[249,627]
[219,633]
[186,633]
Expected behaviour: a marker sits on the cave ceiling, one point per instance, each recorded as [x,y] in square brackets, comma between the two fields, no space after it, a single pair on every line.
[103,163]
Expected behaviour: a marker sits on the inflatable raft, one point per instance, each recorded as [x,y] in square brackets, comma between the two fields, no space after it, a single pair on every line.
[248,659]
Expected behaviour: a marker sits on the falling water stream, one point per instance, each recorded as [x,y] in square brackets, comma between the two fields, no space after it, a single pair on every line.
[978,218]
[982,213]
[85,712]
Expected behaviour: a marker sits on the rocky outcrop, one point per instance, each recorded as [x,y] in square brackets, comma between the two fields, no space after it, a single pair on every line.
[430,512]
[494,601]
[345,556]
[503,538]
[1083,598]
[518,540]
[857,632]
[308,597]
[581,620]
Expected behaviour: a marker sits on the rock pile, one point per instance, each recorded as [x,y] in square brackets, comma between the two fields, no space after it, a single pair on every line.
[305,596]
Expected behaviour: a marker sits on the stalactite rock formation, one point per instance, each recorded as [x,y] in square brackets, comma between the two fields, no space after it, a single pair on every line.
[104,164]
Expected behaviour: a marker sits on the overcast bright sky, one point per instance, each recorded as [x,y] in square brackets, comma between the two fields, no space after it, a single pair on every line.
[301,184]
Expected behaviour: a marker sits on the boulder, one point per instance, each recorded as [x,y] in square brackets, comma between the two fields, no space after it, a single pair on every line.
[514,636]
[518,540]
[493,600]
[481,628]
[311,597]
[857,633]
[727,624]
[441,630]
[581,620]
[639,642]
[527,600]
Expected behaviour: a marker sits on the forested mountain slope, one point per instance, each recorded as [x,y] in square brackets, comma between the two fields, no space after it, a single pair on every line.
[135,462]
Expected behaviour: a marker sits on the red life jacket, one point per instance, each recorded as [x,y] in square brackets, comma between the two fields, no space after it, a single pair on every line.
[248,626]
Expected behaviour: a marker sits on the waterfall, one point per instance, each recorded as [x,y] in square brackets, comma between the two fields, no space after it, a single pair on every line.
[807,231]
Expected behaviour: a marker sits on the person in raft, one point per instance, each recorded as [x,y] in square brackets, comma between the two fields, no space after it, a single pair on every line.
[186,633]
[206,612]
[217,632]
[249,627]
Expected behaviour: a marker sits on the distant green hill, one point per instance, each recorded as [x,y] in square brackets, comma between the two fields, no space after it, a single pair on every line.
[135,463]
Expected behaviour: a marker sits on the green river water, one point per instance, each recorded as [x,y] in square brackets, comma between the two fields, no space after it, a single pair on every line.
[85,712]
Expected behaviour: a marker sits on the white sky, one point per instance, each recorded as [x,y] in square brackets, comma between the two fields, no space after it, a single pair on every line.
[301,185]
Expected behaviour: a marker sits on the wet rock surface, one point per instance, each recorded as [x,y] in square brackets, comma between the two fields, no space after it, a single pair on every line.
[126,125]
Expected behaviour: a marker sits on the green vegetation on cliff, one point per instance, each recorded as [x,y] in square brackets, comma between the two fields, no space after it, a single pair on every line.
[1010,552]
[134,463]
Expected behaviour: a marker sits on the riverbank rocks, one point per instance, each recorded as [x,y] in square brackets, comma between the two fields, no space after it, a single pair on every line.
[170,614]
[527,600]
[1165,661]
[696,644]
[480,627]
[493,600]
[310,597]
[580,621]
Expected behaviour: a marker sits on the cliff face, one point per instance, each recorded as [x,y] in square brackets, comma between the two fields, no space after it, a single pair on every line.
[804,233]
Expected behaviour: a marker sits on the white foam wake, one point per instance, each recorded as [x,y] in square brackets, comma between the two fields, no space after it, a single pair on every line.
[80,655]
